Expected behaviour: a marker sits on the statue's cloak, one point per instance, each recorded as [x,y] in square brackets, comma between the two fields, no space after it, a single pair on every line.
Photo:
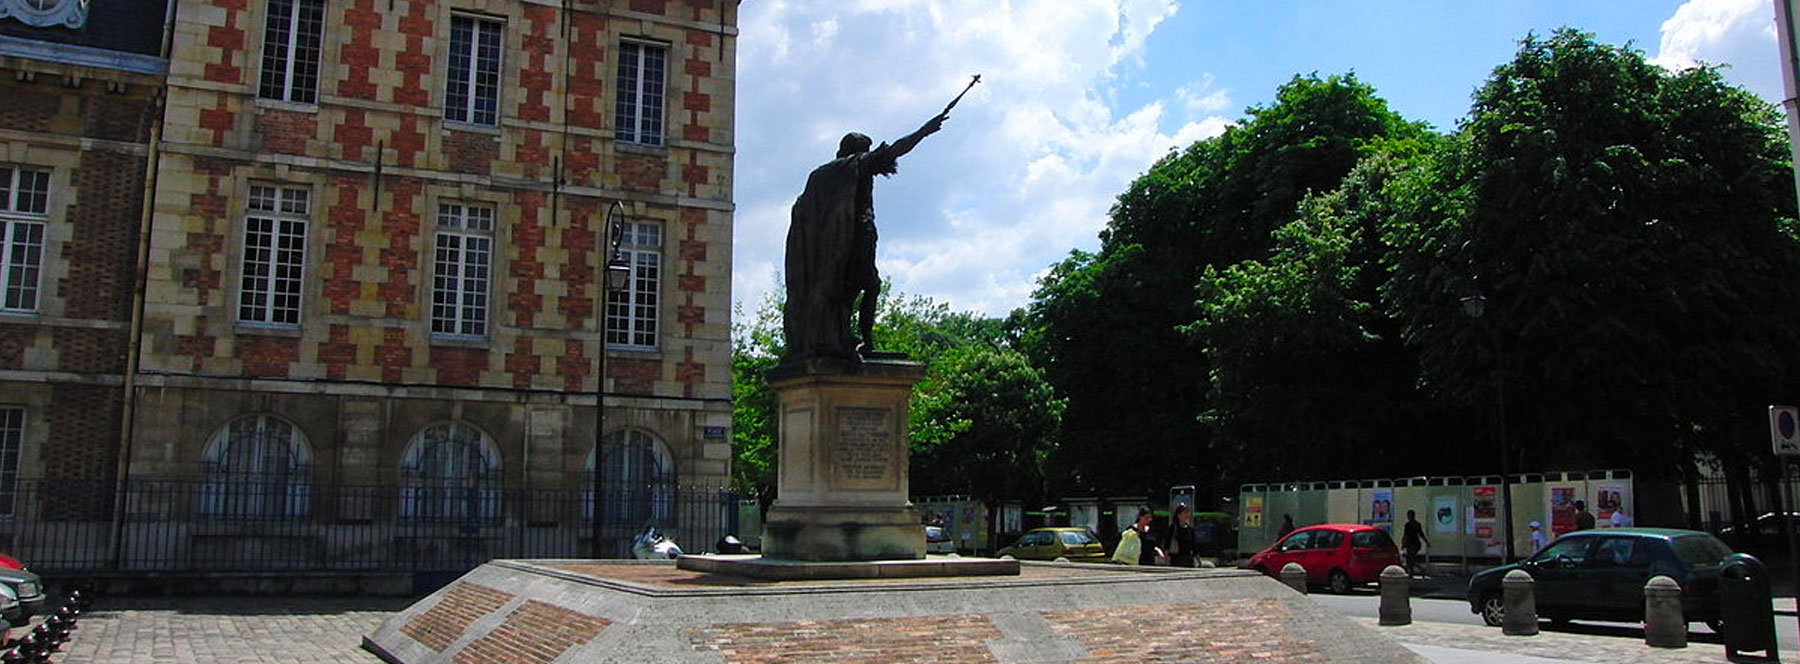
[821,244]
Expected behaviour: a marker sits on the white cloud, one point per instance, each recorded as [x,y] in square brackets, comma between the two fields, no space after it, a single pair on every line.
[1738,32]
[1025,169]
[1199,98]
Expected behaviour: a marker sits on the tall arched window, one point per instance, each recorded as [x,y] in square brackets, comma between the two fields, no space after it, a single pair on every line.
[637,480]
[256,467]
[450,472]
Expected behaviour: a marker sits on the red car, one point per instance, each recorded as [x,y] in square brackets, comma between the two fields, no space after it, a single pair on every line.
[1339,555]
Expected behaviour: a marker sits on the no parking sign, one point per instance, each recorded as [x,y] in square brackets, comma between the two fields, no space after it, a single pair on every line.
[1784,430]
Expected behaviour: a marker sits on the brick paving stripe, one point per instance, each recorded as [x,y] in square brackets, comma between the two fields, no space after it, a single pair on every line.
[921,640]
[1232,630]
[443,624]
[534,633]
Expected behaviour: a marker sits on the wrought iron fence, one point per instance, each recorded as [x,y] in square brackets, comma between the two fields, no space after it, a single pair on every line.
[65,526]
[1719,501]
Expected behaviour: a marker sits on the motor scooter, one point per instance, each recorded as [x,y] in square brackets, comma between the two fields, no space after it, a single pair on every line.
[653,545]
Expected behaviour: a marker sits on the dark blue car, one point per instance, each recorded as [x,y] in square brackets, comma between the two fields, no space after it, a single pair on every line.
[1600,575]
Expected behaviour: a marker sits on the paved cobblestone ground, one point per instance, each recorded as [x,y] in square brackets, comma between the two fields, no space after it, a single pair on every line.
[234,630]
[1578,642]
[239,630]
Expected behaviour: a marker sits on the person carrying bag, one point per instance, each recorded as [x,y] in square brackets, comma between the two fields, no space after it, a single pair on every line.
[1130,547]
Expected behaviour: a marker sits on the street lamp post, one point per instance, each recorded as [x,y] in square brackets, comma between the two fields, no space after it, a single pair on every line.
[615,272]
[1474,305]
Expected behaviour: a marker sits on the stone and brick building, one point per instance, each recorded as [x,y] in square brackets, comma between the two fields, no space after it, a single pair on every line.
[369,284]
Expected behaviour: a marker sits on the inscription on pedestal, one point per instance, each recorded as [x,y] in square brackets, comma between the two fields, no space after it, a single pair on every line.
[864,455]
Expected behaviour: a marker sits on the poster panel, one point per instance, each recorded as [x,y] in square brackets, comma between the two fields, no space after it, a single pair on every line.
[1609,505]
[1381,509]
[1443,514]
[1253,512]
[1562,510]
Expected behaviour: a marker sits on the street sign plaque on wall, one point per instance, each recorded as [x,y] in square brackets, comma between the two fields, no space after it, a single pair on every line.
[1784,430]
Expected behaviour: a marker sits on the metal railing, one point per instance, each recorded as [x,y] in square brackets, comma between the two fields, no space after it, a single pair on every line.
[240,525]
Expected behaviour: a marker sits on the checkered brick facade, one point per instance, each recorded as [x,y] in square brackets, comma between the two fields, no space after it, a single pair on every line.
[362,374]
[376,157]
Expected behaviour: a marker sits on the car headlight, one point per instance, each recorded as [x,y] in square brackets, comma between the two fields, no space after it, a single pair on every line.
[28,589]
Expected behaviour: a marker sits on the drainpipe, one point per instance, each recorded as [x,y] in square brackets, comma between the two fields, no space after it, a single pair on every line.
[134,336]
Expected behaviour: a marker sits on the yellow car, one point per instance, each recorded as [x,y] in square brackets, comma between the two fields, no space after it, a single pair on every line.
[1075,544]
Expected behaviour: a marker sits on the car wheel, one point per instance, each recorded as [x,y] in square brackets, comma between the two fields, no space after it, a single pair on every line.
[1493,609]
[1340,582]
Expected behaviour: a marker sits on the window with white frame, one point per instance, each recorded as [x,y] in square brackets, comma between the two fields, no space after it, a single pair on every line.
[12,441]
[24,209]
[462,264]
[642,70]
[274,255]
[450,472]
[292,35]
[631,312]
[256,467]
[472,77]
[637,480]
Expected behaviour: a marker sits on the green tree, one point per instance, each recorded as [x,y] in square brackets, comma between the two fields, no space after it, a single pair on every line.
[1629,231]
[1310,376]
[755,348]
[1001,418]
[1108,328]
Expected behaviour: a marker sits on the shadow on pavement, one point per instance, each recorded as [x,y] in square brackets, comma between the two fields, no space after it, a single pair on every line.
[245,606]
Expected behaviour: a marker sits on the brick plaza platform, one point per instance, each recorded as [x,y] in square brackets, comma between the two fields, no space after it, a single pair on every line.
[546,611]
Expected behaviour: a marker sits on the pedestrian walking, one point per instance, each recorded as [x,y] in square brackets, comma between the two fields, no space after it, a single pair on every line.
[1412,538]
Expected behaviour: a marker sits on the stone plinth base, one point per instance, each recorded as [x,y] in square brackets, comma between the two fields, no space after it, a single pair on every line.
[651,611]
[758,567]
[823,533]
[842,485]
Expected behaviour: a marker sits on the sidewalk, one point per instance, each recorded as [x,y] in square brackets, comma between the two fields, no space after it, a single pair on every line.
[1474,644]
[245,630]
[1575,642]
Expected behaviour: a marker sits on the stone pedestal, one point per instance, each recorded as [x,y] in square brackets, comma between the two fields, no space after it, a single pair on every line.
[842,491]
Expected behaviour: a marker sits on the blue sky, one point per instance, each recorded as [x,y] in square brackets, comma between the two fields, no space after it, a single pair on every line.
[1080,96]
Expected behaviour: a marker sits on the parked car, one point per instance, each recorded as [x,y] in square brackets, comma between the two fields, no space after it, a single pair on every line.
[1600,575]
[28,588]
[1764,537]
[10,562]
[1076,544]
[10,609]
[1339,555]
[937,540]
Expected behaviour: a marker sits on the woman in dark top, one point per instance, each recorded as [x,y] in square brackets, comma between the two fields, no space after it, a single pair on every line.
[1182,542]
[1150,552]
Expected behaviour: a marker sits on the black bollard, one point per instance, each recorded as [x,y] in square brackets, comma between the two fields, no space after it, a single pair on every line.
[47,639]
[30,648]
[11,656]
[68,617]
[57,633]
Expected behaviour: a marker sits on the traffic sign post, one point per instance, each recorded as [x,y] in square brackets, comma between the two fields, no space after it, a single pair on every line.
[1784,430]
[1784,435]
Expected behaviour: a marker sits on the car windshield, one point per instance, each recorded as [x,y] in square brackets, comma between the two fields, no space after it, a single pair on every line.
[1077,538]
[1371,539]
[1700,549]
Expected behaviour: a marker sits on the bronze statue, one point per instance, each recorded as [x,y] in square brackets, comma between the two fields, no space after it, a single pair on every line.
[831,247]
